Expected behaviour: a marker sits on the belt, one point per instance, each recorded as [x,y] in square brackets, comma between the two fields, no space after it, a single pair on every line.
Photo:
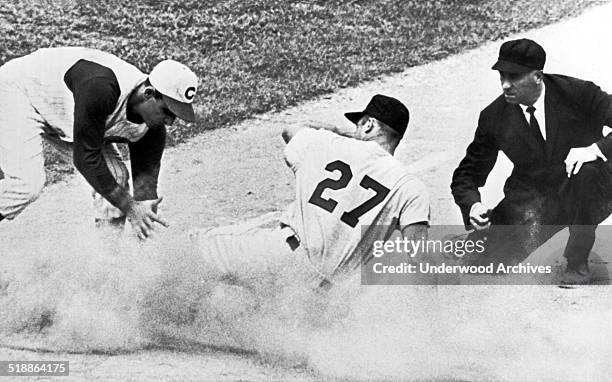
[293,241]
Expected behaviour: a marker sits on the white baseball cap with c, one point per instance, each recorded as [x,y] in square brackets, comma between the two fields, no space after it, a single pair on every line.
[178,86]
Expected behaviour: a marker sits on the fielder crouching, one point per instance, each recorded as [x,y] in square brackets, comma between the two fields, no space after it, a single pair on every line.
[350,192]
[83,101]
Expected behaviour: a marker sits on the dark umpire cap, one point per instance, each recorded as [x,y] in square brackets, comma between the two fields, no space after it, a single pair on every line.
[520,56]
[387,110]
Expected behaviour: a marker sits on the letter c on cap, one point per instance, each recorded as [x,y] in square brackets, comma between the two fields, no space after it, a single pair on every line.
[190,93]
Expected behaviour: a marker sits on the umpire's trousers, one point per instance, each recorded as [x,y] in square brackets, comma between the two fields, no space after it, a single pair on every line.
[519,227]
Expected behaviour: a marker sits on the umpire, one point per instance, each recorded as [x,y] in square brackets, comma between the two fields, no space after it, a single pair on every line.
[550,127]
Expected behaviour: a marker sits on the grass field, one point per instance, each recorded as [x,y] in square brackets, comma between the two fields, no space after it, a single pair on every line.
[264,55]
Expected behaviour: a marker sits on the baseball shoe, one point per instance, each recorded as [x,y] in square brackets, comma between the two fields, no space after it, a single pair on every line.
[580,274]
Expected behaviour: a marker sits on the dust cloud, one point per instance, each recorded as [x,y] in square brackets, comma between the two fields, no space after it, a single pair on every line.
[99,295]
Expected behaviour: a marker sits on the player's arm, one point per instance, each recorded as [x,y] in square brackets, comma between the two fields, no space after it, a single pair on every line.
[145,158]
[95,98]
[413,219]
[96,92]
[290,131]
[415,231]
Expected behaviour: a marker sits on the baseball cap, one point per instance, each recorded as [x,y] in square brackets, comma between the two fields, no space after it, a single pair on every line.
[520,56]
[386,109]
[178,85]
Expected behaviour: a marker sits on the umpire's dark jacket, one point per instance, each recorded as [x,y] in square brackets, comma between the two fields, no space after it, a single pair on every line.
[576,111]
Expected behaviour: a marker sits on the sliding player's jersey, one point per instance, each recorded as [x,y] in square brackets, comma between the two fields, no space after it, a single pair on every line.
[349,193]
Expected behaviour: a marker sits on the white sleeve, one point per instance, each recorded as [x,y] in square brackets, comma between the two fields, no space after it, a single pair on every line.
[417,206]
[303,143]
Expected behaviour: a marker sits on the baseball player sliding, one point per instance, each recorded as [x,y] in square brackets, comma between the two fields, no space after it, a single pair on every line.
[350,192]
[83,101]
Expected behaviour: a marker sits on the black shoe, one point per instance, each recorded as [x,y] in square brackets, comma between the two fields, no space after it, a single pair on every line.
[577,275]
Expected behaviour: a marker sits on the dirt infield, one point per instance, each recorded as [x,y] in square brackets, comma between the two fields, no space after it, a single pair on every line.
[396,333]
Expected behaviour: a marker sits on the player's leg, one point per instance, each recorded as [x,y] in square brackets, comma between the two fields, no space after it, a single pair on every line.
[255,256]
[21,155]
[107,215]
[235,251]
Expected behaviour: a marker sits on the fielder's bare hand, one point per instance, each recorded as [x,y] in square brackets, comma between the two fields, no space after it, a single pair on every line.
[578,156]
[143,216]
[479,216]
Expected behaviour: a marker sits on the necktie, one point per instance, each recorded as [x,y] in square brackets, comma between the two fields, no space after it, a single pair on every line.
[533,122]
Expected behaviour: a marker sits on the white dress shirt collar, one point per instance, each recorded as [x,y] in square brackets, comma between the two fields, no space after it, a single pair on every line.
[539,112]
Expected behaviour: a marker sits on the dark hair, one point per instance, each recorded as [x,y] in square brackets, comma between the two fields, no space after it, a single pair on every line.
[157,94]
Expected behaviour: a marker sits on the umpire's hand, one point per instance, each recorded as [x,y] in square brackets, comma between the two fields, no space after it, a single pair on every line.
[578,156]
[143,215]
[480,216]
